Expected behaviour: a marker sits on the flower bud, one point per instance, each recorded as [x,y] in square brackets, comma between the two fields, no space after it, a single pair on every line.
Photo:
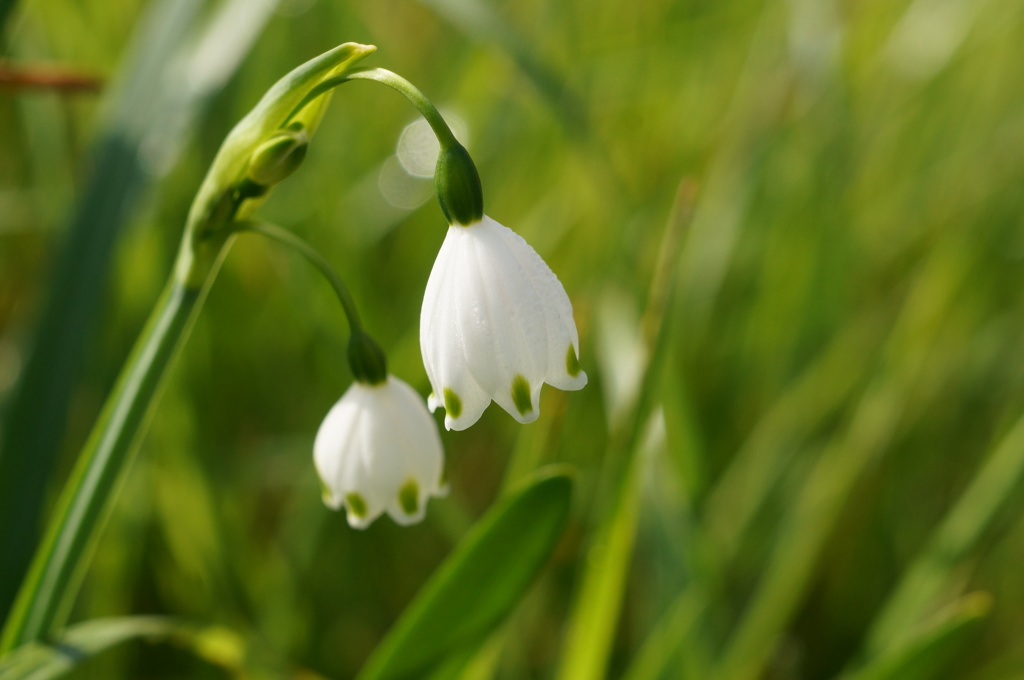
[278,157]
[367,360]
[458,186]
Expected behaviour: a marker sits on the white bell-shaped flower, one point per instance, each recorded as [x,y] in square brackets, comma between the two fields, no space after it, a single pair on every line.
[378,450]
[496,324]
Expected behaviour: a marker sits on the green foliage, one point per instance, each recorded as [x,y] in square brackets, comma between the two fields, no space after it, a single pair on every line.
[38,661]
[480,582]
[151,113]
[791,233]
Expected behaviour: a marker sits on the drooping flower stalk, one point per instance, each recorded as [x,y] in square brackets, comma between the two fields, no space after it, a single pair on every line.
[378,449]
[496,323]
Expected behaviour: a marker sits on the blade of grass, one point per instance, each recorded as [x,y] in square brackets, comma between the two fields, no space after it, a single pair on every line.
[216,645]
[38,661]
[480,22]
[598,600]
[930,577]
[664,643]
[6,7]
[36,414]
[726,187]
[737,498]
[152,111]
[479,584]
[925,651]
[595,616]
[817,508]
[816,395]
[45,597]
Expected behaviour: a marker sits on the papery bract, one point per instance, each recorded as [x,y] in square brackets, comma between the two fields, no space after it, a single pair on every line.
[378,450]
[495,325]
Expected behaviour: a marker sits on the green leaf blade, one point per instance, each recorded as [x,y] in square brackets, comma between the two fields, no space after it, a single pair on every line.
[481,581]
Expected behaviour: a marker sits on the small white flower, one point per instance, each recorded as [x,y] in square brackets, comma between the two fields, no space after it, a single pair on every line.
[495,324]
[377,451]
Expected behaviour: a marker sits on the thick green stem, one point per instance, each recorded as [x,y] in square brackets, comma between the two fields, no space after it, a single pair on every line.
[45,597]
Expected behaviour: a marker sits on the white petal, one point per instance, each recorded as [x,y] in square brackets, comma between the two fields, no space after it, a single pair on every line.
[421,444]
[560,326]
[435,310]
[500,314]
[334,447]
[500,325]
[442,344]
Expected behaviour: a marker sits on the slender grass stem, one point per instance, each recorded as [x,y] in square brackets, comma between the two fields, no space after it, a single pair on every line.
[48,591]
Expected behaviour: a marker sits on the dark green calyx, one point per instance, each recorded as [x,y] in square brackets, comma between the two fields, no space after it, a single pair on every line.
[368,362]
[278,157]
[458,186]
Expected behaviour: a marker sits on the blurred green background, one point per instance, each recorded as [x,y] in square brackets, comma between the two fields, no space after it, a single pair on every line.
[792,234]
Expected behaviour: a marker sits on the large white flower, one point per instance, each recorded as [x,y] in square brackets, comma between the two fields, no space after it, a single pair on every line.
[495,324]
[378,451]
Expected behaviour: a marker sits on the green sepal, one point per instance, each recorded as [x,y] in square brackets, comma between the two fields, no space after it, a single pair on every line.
[458,186]
[274,112]
[367,360]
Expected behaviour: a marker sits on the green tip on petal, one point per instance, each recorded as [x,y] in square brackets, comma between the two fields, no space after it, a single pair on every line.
[356,505]
[521,395]
[572,362]
[409,497]
[452,403]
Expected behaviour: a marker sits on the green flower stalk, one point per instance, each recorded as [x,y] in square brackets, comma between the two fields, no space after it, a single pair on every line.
[264,148]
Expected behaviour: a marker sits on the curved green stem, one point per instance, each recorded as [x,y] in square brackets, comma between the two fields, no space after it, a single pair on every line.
[47,593]
[396,82]
[287,238]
